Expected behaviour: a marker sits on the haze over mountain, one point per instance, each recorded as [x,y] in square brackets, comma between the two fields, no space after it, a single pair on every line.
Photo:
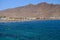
[39,10]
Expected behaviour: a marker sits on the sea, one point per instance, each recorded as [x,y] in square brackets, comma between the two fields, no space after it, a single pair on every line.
[30,30]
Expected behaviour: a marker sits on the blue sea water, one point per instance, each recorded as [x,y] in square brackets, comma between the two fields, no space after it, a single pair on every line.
[30,30]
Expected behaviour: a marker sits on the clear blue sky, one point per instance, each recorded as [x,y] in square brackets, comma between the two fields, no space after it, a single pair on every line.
[5,4]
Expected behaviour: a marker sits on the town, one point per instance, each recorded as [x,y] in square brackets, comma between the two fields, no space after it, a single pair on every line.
[4,18]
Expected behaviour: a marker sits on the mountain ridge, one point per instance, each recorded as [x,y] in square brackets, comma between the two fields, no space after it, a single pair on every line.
[39,10]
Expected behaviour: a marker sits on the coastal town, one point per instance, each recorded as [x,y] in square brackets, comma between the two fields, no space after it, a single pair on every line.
[4,18]
[40,11]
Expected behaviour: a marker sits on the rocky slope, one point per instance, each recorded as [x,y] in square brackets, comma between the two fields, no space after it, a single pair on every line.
[39,10]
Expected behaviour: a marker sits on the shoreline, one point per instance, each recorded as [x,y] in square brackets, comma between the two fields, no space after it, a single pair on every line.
[17,21]
[27,20]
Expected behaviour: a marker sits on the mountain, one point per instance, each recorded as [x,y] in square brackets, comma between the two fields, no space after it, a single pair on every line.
[39,10]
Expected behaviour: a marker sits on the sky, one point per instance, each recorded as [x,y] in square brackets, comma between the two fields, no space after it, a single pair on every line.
[6,4]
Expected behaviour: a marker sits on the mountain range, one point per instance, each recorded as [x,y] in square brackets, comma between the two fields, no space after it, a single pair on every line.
[39,10]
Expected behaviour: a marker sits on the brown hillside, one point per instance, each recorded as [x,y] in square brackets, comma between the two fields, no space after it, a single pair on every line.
[39,10]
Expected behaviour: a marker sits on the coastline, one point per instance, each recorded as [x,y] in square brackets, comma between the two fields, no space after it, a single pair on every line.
[17,21]
[27,20]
